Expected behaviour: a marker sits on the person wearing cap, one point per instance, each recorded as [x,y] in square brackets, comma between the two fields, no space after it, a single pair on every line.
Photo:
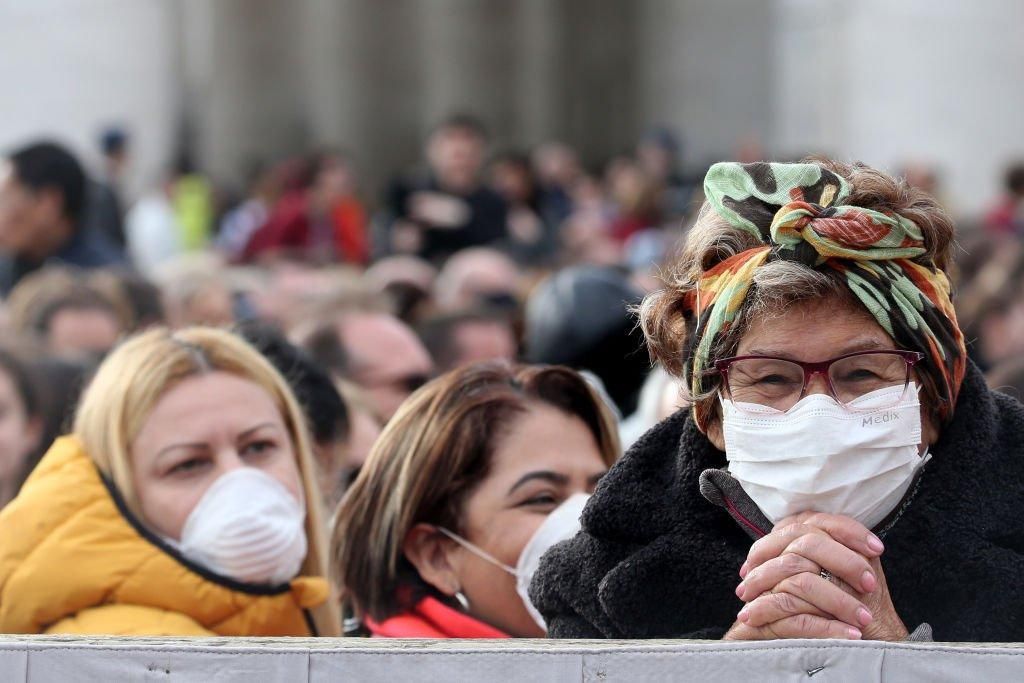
[843,472]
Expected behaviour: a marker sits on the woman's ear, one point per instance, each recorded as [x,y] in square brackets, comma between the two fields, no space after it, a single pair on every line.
[715,435]
[430,552]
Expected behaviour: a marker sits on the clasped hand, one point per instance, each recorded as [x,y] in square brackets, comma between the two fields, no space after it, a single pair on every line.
[788,595]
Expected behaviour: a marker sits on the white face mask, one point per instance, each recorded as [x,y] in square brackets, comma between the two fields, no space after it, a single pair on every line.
[560,525]
[248,527]
[822,456]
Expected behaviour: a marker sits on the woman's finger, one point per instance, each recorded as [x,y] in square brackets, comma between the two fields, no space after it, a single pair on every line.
[766,576]
[846,530]
[772,545]
[827,553]
[810,553]
[811,626]
[771,607]
[826,597]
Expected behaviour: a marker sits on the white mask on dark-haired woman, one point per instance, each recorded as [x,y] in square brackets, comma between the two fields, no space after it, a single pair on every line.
[820,455]
[560,525]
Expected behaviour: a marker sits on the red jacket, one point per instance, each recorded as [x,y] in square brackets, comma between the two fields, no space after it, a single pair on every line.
[431,618]
[288,229]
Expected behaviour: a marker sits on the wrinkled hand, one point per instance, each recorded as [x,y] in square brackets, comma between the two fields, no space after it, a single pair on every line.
[787,597]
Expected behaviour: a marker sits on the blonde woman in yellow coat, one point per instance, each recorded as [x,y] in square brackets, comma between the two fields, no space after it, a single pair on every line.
[183,503]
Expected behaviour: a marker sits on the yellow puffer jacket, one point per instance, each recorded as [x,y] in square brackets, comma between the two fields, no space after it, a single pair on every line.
[73,560]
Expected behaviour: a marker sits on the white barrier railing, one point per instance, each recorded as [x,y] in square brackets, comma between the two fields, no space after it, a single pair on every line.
[38,659]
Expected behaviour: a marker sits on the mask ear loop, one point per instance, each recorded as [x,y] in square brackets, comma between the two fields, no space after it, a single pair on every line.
[477,550]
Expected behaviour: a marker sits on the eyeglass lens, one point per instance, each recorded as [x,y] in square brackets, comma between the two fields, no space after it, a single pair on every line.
[778,384]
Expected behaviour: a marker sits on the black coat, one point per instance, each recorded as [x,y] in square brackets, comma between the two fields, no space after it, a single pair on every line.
[655,559]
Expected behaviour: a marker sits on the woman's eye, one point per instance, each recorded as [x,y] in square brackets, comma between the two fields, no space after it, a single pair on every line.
[773,379]
[541,499]
[859,376]
[258,448]
[187,466]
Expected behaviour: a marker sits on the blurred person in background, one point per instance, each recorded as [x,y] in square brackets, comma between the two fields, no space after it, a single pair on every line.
[364,430]
[635,197]
[288,293]
[448,208]
[60,382]
[42,198]
[183,444]
[139,300]
[63,315]
[323,223]
[21,423]
[196,291]
[658,154]
[193,202]
[105,206]
[78,324]
[408,281]
[989,300]
[1006,218]
[1001,327]
[152,233]
[480,277]
[327,415]
[557,170]
[504,458]
[457,339]
[586,234]
[245,220]
[364,344]
[530,240]
[581,317]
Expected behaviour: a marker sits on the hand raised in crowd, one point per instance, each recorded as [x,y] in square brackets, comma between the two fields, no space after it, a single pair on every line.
[789,596]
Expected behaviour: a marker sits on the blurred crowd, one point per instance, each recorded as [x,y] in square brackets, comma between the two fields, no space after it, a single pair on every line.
[527,257]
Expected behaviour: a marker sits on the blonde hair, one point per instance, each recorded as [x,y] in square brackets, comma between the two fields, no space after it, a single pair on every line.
[429,459]
[133,378]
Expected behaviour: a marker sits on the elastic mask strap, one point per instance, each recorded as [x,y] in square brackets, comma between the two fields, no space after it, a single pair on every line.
[477,550]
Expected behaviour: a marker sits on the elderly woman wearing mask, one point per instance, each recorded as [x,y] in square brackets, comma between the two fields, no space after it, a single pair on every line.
[836,423]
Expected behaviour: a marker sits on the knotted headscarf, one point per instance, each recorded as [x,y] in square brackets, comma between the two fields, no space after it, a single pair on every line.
[797,212]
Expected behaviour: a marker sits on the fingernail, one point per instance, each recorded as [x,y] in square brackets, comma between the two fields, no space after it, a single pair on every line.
[743,570]
[854,634]
[864,616]
[744,615]
[739,591]
[875,543]
[867,580]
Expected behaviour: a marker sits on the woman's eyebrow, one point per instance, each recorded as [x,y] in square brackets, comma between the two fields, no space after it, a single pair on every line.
[198,445]
[545,475]
[865,344]
[262,425]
